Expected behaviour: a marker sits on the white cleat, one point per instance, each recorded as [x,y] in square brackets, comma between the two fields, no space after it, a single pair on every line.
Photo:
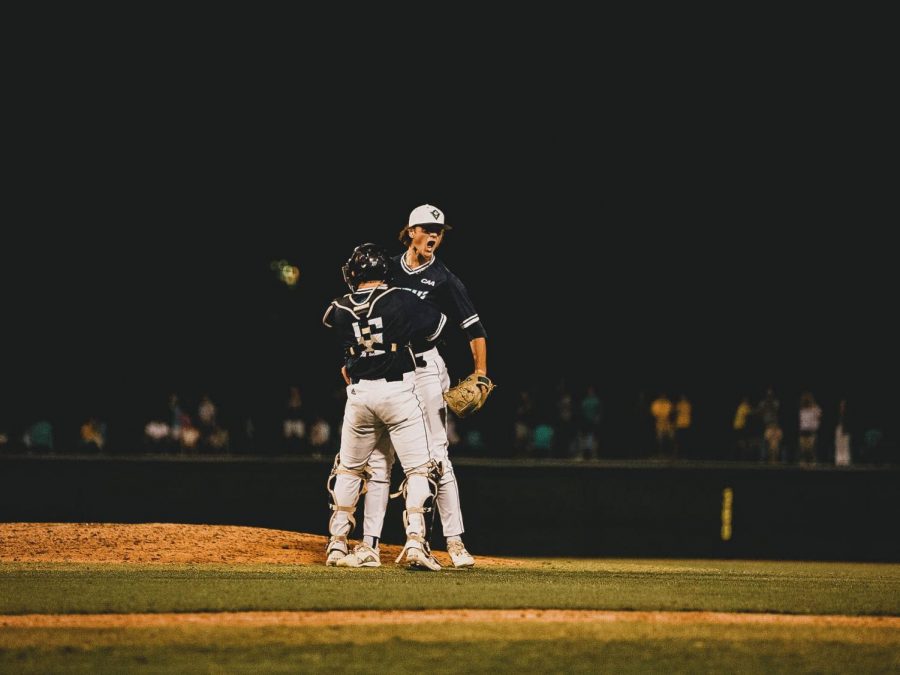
[460,557]
[415,558]
[336,551]
[362,556]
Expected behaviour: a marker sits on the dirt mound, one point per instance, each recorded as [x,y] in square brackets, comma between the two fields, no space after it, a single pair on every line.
[172,543]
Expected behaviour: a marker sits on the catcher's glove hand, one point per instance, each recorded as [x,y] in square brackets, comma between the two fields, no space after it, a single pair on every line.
[469,395]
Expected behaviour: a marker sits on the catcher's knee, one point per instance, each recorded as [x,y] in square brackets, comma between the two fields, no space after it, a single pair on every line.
[364,473]
[431,471]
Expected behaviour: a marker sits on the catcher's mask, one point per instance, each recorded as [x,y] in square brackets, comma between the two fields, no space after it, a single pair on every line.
[368,262]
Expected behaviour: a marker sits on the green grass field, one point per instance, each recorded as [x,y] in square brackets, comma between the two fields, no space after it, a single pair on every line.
[782,588]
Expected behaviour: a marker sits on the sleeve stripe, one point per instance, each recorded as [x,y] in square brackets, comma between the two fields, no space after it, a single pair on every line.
[433,336]
[347,309]
[337,305]
[468,322]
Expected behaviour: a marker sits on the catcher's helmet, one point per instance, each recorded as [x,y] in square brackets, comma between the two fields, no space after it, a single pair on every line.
[368,262]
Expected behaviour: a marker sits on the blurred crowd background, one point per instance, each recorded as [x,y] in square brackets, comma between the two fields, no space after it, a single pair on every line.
[568,420]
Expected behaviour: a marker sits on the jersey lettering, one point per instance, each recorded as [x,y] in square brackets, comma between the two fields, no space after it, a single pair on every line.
[367,337]
[420,293]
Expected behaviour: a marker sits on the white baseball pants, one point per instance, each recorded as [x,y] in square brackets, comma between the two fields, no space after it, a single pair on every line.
[375,410]
[432,381]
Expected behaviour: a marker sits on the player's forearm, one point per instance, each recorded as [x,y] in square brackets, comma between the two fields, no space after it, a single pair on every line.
[479,354]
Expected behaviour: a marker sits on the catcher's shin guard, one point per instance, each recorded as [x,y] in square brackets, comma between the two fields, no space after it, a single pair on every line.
[342,521]
[419,488]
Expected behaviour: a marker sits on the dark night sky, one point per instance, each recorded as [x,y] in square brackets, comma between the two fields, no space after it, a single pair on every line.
[683,247]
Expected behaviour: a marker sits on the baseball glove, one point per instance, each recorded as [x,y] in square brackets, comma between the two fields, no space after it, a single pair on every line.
[469,395]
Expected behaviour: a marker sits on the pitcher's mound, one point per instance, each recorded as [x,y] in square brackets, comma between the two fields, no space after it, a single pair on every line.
[172,543]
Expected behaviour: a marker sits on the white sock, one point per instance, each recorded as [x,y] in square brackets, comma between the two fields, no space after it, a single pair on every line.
[371,541]
[454,537]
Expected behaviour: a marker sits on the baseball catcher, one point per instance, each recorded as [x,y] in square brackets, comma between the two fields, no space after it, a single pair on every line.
[373,323]
[469,395]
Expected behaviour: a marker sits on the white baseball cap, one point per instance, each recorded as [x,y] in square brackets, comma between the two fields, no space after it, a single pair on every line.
[427,214]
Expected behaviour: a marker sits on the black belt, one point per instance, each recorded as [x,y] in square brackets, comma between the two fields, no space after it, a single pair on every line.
[394,377]
[420,347]
[392,347]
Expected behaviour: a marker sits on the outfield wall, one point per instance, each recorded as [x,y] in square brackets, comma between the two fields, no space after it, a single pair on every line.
[510,508]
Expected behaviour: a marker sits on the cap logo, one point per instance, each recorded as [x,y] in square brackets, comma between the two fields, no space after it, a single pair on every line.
[436,214]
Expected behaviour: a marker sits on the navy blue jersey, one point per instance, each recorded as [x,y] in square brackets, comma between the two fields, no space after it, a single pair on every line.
[438,286]
[376,327]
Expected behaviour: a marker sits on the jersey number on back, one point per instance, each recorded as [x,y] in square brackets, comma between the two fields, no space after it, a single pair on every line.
[367,337]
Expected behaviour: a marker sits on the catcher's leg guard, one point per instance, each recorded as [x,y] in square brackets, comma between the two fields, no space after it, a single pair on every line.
[419,488]
[345,486]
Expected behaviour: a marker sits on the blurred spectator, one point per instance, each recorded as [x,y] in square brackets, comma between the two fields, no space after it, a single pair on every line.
[566,431]
[293,428]
[741,428]
[767,417]
[217,441]
[768,408]
[157,435]
[683,412]
[176,419]
[542,441]
[183,435]
[842,437]
[320,437]
[522,426]
[475,443]
[206,415]
[189,434]
[810,419]
[39,436]
[93,435]
[591,409]
[214,438]
[873,445]
[773,437]
[661,410]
